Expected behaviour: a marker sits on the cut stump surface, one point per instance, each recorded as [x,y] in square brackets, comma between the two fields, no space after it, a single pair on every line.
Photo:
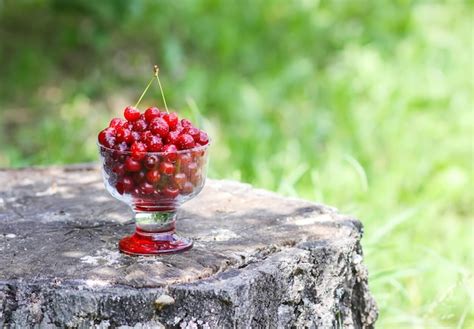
[259,260]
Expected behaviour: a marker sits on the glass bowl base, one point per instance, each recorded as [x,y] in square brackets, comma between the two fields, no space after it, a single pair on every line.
[154,244]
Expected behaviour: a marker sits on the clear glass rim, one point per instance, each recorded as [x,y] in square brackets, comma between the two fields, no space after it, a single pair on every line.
[194,149]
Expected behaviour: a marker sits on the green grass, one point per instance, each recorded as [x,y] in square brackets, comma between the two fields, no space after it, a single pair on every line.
[364,105]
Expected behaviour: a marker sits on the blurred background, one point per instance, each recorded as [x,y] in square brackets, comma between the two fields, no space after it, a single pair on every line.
[364,105]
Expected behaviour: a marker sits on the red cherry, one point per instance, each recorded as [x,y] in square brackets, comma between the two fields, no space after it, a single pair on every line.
[179,128]
[116,122]
[153,176]
[146,136]
[119,157]
[170,191]
[127,184]
[171,119]
[194,132]
[131,113]
[180,179]
[124,185]
[119,187]
[140,125]
[184,160]
[132,165]
[138,150]
[121,147]
[186,123]
[187,188]
[195,177]
[172,137]
[124,135]
[154,144]
[151,113]
[147,188]
[159,127]
[119,169]
[203,139]
[136,192]
[171,152]
[166,168]
[136,137]
[139,177]
[151,161]
[107,137]
[192,168]
[186,141]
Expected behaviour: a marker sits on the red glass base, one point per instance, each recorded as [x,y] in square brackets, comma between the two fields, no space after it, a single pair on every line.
[154,243]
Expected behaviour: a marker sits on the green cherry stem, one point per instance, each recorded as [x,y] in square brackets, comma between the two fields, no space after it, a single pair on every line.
[161,88]
[144,92]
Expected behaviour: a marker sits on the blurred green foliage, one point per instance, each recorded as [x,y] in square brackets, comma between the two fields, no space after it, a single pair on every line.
[365,105]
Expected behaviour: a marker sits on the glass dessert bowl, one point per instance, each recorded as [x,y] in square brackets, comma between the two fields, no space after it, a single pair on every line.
[154,185]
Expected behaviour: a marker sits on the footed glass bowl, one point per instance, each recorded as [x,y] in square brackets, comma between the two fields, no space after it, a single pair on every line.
[154,185]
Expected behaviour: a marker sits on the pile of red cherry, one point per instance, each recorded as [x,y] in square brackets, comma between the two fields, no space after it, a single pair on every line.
[145,154]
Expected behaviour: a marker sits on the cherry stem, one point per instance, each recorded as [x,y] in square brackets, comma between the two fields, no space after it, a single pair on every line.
[156,68]
[144,92]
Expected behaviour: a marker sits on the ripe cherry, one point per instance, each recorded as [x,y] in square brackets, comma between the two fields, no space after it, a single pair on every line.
[198,155]
[186,141]
[172,137]
[132,165]
[136,192]
[180,179]
[166,168]
[119,187]
[194,132]
[127,184]
[123,135]
[138,150]
[187,188]
[146,136]
[195,178]
[154,144]
[171,119]
[151,113]
[184,160]
[116,122]
[151,161]
[153,176]
[186,123]
[171,152]
[140,125]
[192,168]
[120,147]
[124,185]
[138,177]
[119,169]
[107,137]
[159,127]
[136,137]
[147,188]
[170,191]
[203,138]
[131,113]
[179,128]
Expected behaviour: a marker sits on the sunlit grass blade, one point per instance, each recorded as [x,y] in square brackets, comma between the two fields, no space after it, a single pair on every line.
[395,273]
[197,116]
[468,308]
[391,224]
[359,170]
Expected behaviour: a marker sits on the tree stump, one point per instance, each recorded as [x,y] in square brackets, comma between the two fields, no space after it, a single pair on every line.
[259,260]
